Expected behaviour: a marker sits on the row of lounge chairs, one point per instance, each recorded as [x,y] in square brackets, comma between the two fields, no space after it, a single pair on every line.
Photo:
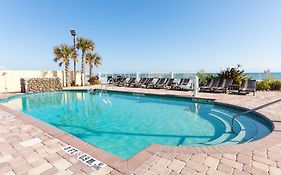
[224,85]
[215,85]
[153,83]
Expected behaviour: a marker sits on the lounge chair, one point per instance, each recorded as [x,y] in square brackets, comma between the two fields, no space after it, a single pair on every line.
[169,83]
[224,86]
[139,83]
[187,87]
[121,81]
[202,88]
[110,80]
[183,81]
[118,78]
[161,83]
[147,82]
[115,81]
[152,83]
[248,86]
[213,83]
[132,80]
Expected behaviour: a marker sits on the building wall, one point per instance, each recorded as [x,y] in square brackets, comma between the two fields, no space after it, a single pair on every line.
[10,80]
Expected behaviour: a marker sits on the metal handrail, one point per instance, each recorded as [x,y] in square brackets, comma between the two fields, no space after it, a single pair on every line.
[251,110]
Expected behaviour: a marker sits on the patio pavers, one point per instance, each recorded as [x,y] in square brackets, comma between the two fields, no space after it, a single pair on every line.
[47,157]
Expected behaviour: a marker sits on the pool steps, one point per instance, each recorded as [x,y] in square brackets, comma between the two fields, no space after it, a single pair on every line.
[245,129]
[225,136]
[240,129]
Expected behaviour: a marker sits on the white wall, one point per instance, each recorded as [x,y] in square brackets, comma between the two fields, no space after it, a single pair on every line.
[10,80]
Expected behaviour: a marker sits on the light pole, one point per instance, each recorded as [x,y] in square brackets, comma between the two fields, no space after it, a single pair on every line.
[73,33]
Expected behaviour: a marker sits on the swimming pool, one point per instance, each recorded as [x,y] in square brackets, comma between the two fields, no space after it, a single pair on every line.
[126,123]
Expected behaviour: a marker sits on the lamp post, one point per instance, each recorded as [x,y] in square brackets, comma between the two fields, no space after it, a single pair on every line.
[73,33]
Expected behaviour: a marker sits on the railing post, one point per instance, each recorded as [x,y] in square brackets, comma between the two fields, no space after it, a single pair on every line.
[195,86]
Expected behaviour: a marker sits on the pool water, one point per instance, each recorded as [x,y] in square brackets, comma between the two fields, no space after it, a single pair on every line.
[125,123]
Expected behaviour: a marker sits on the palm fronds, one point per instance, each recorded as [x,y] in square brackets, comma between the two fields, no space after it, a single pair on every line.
[63,53]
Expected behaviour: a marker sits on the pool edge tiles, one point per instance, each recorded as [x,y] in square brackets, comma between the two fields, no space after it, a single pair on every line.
[191,98]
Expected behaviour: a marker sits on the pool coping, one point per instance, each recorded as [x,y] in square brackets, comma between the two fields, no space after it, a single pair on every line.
[125,166]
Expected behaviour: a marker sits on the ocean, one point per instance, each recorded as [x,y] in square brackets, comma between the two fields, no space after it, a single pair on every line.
[262,76]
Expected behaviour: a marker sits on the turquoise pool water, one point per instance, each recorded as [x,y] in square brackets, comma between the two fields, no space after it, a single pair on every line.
[124,123]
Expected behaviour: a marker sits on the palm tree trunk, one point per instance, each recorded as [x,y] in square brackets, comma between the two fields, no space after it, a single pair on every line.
[91,70]
[83,68]
[74,70]
[67,74]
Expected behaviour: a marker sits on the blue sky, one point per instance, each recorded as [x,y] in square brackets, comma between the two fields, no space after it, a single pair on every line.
[145,35]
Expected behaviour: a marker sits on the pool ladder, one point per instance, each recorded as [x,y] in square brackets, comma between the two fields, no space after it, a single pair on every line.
[105,85]
[251,110]
[103,88]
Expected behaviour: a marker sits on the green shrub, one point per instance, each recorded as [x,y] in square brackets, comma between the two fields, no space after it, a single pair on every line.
[269,84]
[275,85]
[204,78]
[235,73]
[94,80]
[263,85]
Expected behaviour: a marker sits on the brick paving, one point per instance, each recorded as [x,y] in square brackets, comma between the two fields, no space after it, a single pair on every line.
[43,158]
[47,157]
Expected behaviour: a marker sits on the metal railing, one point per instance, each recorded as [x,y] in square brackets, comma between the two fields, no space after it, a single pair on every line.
[251,110]
[176,75]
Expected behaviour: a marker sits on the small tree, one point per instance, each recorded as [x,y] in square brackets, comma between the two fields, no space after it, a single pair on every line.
[92,59]
[204,78]
[235,73]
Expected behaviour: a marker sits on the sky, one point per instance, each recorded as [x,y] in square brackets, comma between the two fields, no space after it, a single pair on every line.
[145,35]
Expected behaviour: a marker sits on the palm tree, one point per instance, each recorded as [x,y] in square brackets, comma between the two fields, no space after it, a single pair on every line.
[84,45]
[75,60]
[63,54]
[93,59]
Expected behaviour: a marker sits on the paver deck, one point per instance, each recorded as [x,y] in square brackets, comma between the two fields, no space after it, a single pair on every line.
[47,157]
